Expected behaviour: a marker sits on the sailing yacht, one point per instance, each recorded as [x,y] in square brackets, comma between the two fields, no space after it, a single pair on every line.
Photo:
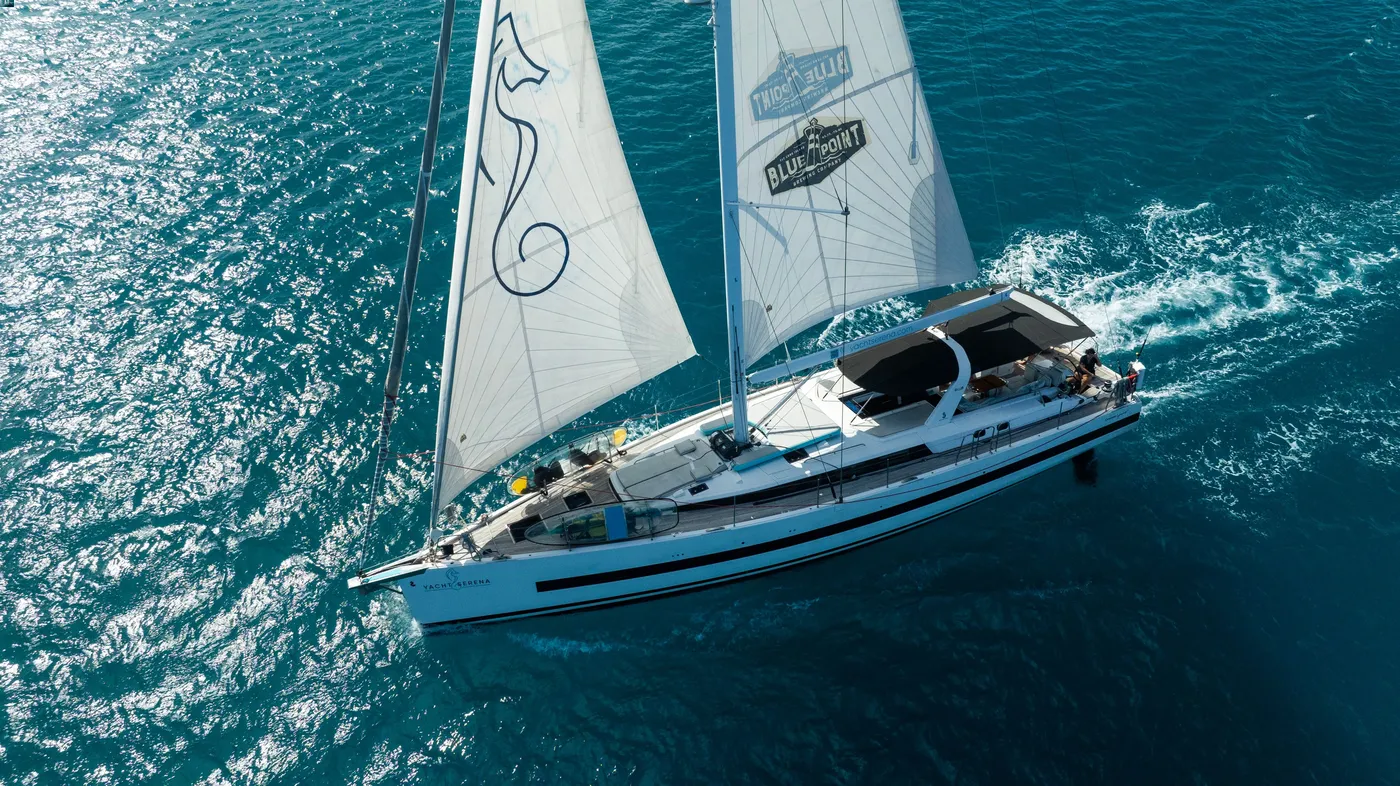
[833,196]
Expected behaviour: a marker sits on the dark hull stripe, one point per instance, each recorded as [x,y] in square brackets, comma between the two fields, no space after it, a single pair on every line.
[695,586]
[780,543]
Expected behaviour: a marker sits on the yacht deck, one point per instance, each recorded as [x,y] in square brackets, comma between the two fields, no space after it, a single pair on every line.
[858,479]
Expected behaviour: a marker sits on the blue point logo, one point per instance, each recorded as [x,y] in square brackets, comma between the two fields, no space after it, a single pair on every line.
[798,82]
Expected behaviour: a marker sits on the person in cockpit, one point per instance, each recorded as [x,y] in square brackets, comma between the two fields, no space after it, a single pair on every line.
[1084,374]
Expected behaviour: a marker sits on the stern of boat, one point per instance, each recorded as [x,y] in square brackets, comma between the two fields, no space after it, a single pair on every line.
[1126,388]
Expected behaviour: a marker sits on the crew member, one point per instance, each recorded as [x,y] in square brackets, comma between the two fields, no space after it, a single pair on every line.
[1084,374]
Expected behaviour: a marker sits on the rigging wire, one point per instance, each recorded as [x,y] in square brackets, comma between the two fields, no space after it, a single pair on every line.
[845,265]
[982,120]
[1059,117]
[743,258]
[806,106]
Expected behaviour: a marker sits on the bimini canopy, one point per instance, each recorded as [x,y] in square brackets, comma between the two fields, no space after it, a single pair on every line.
[999,334]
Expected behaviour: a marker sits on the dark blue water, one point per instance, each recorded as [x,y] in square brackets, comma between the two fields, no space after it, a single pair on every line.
[203,211]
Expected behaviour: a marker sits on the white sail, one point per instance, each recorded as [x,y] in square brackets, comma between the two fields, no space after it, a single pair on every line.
[829,116]
[559,302]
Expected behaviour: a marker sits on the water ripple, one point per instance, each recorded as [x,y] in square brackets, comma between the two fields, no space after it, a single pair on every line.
[204,212]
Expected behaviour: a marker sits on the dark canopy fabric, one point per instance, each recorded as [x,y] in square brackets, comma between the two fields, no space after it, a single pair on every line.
[1008,331]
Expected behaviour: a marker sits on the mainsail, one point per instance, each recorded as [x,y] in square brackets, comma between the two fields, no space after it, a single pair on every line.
[559,302]
[829,118]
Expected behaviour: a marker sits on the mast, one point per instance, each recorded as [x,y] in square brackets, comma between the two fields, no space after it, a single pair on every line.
[729,200]
[415,246]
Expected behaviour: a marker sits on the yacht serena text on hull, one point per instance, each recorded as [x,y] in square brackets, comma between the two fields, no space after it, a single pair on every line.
[833,196]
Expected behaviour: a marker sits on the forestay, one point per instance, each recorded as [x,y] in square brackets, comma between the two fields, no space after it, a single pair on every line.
[830,117]
[559,302]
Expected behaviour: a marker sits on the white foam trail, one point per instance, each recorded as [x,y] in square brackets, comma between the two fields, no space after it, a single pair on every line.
[558,646]
[1183,272]
[1174,271]
[1230,306]
[1192,279]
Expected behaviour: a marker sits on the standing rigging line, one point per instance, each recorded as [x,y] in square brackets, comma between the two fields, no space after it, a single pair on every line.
[845,265]
[410,268]
[982,119]
[1059,117]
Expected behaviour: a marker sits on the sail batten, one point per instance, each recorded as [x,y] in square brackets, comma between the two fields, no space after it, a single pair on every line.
[832,125]
[559,302]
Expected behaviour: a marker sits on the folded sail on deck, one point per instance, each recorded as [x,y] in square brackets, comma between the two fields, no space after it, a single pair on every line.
[559,302]
[830,116]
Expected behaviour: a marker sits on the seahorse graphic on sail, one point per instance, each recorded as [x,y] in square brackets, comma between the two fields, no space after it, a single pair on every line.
[528,255]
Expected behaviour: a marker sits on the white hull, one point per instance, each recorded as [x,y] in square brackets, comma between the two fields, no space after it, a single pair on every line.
[566,580]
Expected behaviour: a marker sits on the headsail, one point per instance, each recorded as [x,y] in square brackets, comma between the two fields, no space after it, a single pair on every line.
[559,302]
[830,117]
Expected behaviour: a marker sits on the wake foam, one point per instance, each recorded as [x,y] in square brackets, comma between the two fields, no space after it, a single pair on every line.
[1189,272]
[1239,313]
[559,646]
[1200,287]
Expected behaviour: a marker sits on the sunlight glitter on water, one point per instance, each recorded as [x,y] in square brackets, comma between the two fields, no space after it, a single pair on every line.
[202,216]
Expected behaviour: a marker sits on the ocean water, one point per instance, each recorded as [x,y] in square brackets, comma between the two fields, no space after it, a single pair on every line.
[203,211]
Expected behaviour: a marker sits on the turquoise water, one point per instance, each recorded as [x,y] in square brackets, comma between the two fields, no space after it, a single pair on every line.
[203,211]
